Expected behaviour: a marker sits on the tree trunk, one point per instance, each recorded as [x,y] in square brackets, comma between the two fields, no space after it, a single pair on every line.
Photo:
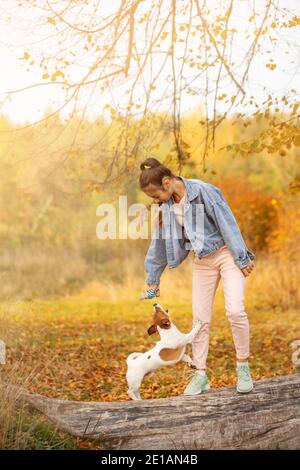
[266,418]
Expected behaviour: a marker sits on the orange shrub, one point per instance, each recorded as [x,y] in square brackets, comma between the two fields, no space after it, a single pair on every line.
[255,211]
[284,240]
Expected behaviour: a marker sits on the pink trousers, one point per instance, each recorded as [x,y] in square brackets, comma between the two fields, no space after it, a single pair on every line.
[207,273]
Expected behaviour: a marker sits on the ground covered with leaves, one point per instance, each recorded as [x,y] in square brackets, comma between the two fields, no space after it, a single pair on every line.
[76,349]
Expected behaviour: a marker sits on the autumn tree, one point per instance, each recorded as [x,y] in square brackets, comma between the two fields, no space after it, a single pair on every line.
[138,63]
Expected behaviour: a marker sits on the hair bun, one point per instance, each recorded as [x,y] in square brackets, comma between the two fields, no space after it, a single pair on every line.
[149,163]
[153,172]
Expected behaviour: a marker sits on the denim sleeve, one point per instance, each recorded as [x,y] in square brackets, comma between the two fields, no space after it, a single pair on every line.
[229,229]
[156,258]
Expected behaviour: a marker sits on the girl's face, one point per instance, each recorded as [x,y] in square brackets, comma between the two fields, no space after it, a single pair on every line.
[162,193]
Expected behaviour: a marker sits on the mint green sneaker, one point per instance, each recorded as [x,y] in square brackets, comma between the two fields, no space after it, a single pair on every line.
[198,384]
[244,380]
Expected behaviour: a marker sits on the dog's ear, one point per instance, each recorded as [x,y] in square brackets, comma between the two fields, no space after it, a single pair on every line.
[152,329]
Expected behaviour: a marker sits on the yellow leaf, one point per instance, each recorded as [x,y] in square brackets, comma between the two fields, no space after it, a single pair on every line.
[51,21]
[227,13]
[130,162]
[57,74]
[26,56]
[45,76]
[271,66]
[295,108]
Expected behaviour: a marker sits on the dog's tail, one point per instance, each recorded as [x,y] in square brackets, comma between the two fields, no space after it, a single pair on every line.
[133,356]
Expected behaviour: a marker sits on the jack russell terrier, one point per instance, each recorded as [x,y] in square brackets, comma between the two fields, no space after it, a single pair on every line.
[168,351]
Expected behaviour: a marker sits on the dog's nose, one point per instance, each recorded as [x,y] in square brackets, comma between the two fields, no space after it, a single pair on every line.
[154,305]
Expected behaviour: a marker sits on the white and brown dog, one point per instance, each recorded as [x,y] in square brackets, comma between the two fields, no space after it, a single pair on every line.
[168,351]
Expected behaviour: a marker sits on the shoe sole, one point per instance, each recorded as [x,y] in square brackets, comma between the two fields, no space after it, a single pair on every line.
[245,391]
[204,389]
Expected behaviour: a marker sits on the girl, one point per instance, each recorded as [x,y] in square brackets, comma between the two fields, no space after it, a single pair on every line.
[219,252]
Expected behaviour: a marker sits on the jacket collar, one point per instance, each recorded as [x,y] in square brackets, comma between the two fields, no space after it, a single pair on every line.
[191,189]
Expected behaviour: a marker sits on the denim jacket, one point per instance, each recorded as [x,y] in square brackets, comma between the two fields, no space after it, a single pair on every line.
[217,227]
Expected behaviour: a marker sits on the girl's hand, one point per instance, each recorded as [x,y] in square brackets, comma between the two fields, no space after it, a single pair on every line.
[153,286]
[248,269]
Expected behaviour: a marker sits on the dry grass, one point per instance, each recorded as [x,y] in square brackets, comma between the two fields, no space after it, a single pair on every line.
[19,428]
[274,284]
[27,275]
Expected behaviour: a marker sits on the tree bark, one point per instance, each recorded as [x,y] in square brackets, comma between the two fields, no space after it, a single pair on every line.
[266,418]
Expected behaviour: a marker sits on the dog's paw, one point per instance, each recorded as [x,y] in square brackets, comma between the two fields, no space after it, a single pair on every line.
[134,395]
[197,324]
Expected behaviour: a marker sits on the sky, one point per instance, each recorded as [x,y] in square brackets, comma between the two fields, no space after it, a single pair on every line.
[21,30]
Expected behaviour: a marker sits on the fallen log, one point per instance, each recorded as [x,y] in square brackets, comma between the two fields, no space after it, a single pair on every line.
[266,418]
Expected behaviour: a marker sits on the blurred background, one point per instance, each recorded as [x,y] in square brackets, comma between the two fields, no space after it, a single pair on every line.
[48,220]
[88,90]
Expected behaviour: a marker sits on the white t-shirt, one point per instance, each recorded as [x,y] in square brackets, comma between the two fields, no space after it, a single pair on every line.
[178,208]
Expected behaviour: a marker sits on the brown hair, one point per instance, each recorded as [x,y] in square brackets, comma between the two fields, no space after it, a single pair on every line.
[152,172]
